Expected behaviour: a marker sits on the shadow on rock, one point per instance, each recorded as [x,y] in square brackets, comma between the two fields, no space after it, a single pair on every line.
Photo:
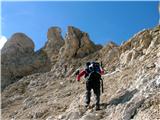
[122,98]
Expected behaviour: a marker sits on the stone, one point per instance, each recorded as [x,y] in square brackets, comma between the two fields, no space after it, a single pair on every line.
[91,116]
[19,59]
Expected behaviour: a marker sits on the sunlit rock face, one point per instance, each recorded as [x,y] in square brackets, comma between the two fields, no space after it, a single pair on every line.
[78,44]
[18,59]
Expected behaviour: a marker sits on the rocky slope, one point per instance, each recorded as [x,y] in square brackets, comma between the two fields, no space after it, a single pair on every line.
[131,83]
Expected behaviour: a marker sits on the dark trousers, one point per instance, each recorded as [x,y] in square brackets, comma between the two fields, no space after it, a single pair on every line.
[95,85]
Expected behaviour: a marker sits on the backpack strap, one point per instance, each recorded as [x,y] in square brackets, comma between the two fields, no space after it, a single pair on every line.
[87,72]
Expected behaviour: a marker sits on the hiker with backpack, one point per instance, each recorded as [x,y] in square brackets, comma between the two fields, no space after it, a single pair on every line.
[92,73]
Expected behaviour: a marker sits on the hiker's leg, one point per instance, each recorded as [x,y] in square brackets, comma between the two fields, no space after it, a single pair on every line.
[96,90]
[88,93]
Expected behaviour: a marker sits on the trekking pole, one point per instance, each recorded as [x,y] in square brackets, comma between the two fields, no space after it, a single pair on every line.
[101,78]
[102,85]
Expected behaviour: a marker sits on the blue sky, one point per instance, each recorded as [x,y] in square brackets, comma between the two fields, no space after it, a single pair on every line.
[104,21]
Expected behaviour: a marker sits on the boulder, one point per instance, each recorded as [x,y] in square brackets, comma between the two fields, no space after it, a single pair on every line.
[18,42]
[19,59]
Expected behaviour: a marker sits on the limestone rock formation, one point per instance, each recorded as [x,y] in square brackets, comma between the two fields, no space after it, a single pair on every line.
[54,42]
[18,59]
[78,44]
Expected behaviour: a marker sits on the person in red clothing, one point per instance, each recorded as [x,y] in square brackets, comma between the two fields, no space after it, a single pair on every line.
[92,73]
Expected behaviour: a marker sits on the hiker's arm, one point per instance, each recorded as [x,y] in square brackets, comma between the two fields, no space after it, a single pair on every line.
[102,71]
[80,75]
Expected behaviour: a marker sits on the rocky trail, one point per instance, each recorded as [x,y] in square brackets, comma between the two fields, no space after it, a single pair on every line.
[131,81]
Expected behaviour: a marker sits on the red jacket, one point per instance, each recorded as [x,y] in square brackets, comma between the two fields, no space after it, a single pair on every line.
[83,73]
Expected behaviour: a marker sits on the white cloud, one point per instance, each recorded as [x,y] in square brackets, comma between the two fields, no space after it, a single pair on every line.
[3,40]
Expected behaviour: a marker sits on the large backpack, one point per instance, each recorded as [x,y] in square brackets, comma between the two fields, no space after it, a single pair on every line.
[93,71]
[96,67]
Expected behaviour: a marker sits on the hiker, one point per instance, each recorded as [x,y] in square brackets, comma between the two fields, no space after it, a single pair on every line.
[65,68]
[92,73]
